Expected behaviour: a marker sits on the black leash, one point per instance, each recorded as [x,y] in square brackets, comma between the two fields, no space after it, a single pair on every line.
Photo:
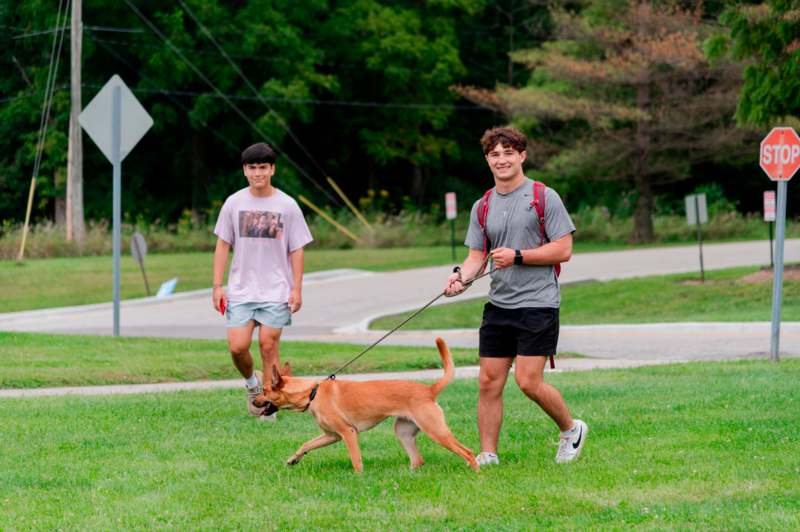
[466,285]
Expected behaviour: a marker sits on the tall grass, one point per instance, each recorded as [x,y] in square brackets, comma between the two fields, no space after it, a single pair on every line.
[404,229]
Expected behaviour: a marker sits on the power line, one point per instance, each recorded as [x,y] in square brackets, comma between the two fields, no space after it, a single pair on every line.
[52,73]
[37,33]
[216,133]
[49,91]
[252,87]
[227,100]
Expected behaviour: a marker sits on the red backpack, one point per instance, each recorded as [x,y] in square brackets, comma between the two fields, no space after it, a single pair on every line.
[537,203]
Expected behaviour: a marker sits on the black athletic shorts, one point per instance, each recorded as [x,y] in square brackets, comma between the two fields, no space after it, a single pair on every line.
[521,331]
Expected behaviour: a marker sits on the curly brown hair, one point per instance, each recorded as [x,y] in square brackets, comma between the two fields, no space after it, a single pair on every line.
[506,136]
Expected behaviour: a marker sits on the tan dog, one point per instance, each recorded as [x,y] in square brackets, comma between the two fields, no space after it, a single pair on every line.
[345,408]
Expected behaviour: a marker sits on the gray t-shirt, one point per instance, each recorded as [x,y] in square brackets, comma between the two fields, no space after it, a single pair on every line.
[512,223]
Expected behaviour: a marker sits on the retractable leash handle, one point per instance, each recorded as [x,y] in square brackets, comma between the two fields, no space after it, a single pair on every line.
[466,284]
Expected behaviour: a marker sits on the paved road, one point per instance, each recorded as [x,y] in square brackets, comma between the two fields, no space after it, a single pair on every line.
[338,305]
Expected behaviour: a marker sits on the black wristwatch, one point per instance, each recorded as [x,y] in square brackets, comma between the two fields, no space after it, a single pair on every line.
[517,257]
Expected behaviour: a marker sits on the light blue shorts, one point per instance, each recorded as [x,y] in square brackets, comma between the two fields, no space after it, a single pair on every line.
[275,315]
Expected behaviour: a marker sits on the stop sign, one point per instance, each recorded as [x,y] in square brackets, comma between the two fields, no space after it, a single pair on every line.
[780,153]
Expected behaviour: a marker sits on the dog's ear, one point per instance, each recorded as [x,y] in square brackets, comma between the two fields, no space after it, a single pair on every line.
[287,370]
[277,382]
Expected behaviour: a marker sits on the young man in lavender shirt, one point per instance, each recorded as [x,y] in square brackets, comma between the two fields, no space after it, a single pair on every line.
[267,231]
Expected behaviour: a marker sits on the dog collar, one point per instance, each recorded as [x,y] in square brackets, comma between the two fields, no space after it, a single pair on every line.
[311,396]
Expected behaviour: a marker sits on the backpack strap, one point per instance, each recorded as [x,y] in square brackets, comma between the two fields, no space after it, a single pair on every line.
[483,213]
[538,204]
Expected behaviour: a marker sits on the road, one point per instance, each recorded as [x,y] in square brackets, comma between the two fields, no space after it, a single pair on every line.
[338,304]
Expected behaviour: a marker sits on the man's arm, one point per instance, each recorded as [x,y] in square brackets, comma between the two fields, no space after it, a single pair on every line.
[472,266]
[220,261]
[553,252]
[297,260]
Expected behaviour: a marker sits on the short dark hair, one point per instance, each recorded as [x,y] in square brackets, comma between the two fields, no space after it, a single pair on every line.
[508,137]
[259,153]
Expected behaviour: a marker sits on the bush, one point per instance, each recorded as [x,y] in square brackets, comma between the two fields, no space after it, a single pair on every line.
[403,229]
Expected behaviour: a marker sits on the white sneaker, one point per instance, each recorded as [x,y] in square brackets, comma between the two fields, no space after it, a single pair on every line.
[272,418]
[486,459]
[570,445]
[254,392]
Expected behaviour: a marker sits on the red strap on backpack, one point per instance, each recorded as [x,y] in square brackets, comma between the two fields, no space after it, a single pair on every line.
[538,204]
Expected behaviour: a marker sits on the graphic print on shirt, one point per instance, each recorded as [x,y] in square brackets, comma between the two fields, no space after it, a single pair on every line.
[260,224]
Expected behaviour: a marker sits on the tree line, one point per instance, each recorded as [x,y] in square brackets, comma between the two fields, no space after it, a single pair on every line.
[627,103]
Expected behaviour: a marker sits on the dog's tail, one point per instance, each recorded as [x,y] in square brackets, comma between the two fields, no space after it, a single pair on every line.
[449,369]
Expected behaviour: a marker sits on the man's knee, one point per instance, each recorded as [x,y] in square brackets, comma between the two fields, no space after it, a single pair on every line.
[239,350]
[268,345]
[491,385]
[531,386]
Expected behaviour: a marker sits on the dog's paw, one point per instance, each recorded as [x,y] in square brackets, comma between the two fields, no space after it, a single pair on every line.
[293,460]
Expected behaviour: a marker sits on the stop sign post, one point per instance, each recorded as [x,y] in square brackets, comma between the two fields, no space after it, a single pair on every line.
[780,159]
[451,213]
[769,217]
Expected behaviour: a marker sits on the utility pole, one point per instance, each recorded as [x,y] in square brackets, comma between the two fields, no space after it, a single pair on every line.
[75,225]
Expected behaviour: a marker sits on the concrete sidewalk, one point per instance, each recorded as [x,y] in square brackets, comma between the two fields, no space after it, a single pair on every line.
[468,372]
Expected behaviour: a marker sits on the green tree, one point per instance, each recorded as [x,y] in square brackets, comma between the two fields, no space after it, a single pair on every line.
[767,36]
[625,94]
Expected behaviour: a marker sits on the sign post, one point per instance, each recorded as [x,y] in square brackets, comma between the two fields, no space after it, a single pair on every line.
[450,211]
[138,251]
[769,217]
[115,121]
[696,214]
[779,158]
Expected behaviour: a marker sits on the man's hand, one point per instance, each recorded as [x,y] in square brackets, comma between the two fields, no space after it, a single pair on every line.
[295,300]
[503,257]
[217,295]
[453,285]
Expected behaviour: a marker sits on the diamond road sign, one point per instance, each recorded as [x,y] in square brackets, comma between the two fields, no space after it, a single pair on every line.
[96,119]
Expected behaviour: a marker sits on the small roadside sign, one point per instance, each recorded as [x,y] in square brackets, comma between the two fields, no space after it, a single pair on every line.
[769,205]
[696,210]
[450,205]
[451,213]
[697,214]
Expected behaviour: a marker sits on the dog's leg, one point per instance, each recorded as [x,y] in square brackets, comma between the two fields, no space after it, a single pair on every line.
[406,431]
[430,419]
[350,437]
[320,441]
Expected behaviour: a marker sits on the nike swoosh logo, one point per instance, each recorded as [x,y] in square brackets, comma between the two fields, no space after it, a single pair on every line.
[577,443]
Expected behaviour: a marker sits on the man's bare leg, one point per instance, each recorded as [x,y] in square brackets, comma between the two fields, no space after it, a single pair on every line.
[491,380]
[239,340]
[529,374]
[269,343]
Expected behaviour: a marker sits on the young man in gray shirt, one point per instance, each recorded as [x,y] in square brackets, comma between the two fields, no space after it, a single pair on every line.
[520,321]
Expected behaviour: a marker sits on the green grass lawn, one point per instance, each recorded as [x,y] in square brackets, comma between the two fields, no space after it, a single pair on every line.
[704,445]
[30,360]
[670,298]
[58,282]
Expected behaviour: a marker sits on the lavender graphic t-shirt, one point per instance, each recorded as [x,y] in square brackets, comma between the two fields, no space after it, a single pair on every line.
[262,232]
